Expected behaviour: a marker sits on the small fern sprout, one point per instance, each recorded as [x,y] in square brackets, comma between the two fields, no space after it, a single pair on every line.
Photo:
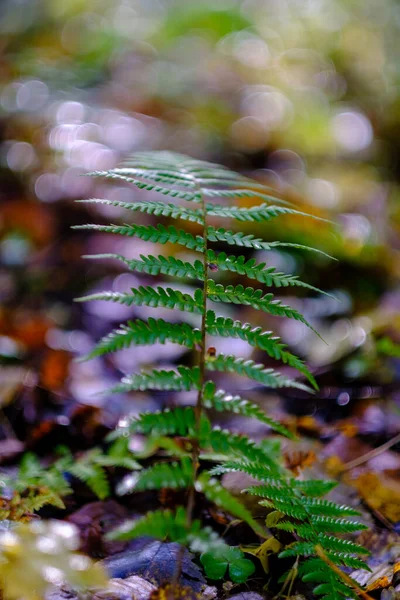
[207,191]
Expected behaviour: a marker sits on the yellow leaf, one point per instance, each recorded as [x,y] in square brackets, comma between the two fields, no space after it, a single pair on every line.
[263,552]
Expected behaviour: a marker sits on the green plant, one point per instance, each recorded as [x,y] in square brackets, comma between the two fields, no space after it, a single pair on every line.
[295,505]
[37,485]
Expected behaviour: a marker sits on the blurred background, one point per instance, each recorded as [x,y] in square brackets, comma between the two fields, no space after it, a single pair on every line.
[302,95]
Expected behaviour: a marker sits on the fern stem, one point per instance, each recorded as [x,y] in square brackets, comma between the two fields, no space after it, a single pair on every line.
[343,576]
[198,409]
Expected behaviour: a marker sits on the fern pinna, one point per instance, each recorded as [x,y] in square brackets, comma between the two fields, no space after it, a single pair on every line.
[296,504]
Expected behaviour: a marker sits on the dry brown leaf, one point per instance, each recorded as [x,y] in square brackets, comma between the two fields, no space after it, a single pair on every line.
[379,492]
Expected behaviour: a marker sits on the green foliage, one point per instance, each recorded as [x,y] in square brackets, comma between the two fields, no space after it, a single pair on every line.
[163,475]
[159,234]
[38,485]
[185,433]
[221,402]
[143,333]
[185,378]
[269,276]
[388,347]
[239,567]
[159,265]
[148,296]
[255,336]
[255,371]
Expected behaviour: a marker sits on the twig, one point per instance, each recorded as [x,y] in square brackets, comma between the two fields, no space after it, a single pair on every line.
[347,580]
[375,452]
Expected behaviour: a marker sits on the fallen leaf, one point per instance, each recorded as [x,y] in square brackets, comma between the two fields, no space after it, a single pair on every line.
[155,561]
[263,552]
[122,589]
[379,492]
[94,521]
[54,369]
[170,591]
[297,460]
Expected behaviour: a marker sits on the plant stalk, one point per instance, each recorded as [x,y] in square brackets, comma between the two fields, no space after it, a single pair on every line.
[198,409]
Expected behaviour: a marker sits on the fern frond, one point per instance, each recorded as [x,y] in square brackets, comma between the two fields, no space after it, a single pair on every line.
[259,271]
[145,333]
[159,209]
[315,487]
[235,445]
[260,213]
[242,192]
[171,421]
[256,299]
[296,506]
[315,506]
[308,549]
[160,265]
[221,402]
[162,475]
[166,524]
[275,491]
[255,371]
[335,544]
[257,470]
[150,187]
[330,585]
[250,241]
[185,378]
[160,524]
[153,297]
[148,233]
[93,475]
[255,336]
[169,176]
[215,492]
[331,524]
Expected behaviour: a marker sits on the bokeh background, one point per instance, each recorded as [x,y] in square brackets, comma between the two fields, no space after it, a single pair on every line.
[300,94]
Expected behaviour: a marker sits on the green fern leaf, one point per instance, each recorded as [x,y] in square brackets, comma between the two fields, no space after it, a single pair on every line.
[166,175]
[255,469]
[221,402]
[260,213]
[331,587]
[334,544]
[274,491]
[235,445]
[93,475]
[308,549]
[161,475]
[146,333]
[315,506]
[148,233]
[242,192]
[249,241]
[150,187]
[176,421]
[165,524]
[159,265]
[315,487]
[159,209]
[255,336]
[184,378]
[256,299]
[214,491]
[334,525]
[255,371]
[153,297]
[259,271]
